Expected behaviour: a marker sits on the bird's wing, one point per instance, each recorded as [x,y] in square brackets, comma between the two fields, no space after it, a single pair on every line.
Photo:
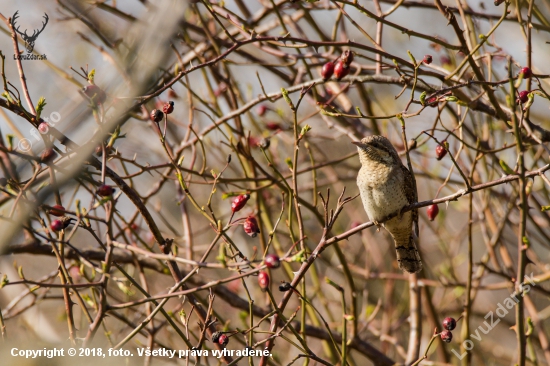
[410,193]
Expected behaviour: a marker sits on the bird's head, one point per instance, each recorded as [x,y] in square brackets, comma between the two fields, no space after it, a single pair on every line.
[376,149]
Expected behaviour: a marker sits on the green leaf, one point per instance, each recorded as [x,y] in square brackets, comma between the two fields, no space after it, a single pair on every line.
[9,137]
[526,241]
[4,281]
[530,327]
[423,98]
[369,310]
[40,107]
[411,57]
[458,291]
[333,284]
[227,195]
[91,76]
[305,129]
[288,162]
[530,100]
[183,317]
[126,289]
[114,136]
[103,201]
[506,168]
[88,300]
[287,99]
[180,160]
[298,257]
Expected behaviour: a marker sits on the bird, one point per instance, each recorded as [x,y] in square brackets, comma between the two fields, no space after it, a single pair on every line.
[386,186]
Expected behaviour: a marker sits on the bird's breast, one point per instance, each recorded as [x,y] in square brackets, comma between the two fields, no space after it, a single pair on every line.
[382,192]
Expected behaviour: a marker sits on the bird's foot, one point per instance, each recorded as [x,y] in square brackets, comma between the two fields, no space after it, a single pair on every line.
[377,224]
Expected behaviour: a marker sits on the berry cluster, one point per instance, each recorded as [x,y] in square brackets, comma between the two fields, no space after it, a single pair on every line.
[449,324]
[523,96]
[252,229]
[250,224]
[59,224]
[220,338]
[339,68]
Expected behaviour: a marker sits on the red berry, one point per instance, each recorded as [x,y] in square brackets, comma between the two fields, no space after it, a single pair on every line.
[57,225]
[523,97]
[432,102]
[251,226]
[105,190]
[440,152]
[43,128]
[272,261]
[263,280]
[223,340]
[253,141]
[526,72]
[168,107]
[94,93]
[327,70]
[48,155]
[427,59]
[449,323]
[261,110]
[239,202]
[57,210]
[340,70]
[446,336]
[432,212]
[156,115]
[347,58]
[273,126]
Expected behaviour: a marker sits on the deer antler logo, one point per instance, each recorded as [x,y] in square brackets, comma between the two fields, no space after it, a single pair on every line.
[32,38]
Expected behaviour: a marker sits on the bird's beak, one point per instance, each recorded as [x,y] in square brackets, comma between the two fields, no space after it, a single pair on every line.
[360,144]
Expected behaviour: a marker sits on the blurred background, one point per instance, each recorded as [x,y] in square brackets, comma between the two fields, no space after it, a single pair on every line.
[226,89]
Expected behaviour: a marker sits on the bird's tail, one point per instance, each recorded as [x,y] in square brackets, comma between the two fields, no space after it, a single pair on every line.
[408,256]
